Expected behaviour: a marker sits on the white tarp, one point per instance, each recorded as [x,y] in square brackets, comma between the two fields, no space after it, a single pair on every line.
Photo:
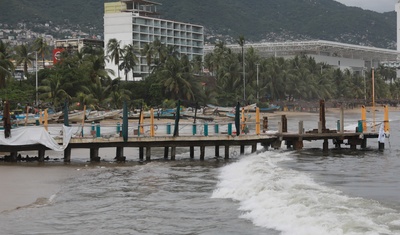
[381,137]
[35,135]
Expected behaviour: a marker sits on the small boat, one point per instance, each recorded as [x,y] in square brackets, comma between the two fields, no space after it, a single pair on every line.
[112,114]
[270,109]
[232,115]
[94,116]
[219,109]
[75,116]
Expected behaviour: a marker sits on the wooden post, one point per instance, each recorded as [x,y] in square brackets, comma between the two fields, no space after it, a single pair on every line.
[141,150]
[319,127]
[364,118]
[297,144]
[258,121]
[386,119]
[265,124]
[381,146]
[254,148]
[41,154]
[301,127]
[226,151]
[152,132]
[322,114]
[94,155]
[364,143]
[148,153]
[173,153]
[325,145]
[202,152]
[166,152]
[13,156]
[67,154]
[284,123]
[341,119]
[120,154]
[191,151]
[217,150]
[241,149]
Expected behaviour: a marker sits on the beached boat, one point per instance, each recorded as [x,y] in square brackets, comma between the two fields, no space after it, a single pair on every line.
[270,109]
[246,115]
[112,114]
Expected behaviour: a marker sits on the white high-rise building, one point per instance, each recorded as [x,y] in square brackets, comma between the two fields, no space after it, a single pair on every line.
[137,22]
[397,8]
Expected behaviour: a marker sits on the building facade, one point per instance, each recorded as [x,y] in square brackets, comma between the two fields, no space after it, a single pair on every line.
[137,22]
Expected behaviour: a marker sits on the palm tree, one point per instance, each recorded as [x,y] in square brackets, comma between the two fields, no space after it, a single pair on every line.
[23,57]
[52,89]
[176,77]
[41,47]
[114,51]
[92,61]
[6,66]
[148,52]
[129,60]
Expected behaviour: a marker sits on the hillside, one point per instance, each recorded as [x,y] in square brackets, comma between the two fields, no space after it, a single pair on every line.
[257,20]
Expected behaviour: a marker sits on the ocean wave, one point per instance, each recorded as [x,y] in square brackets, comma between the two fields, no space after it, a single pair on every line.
[292,202]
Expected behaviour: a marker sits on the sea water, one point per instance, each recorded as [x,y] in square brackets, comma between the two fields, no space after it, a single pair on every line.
[267,192]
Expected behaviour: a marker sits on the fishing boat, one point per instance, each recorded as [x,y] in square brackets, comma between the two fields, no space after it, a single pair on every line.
[112,114]
[246,115]
[270,109]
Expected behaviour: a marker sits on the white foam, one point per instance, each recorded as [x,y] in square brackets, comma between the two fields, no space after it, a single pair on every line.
[291,202]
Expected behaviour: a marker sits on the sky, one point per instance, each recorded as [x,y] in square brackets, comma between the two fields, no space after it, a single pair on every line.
[373,5]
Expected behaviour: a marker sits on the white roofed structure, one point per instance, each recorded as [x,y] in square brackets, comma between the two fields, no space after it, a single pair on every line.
[341,55]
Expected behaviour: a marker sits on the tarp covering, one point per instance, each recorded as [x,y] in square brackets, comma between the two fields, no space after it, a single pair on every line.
[31,135]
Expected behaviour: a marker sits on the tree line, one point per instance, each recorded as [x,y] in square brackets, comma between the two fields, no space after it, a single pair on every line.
[222,77]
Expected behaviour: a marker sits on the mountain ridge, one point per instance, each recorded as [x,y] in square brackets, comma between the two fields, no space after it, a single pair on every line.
[256,20]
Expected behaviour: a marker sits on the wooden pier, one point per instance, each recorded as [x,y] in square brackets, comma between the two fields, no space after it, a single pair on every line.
[217,141]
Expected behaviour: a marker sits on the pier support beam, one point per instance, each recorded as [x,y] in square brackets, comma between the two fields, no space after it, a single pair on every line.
[41,153]
[94,155]
[325,145]
[13,156]
[364,143]
[241,149]
[120,155]
[297,144]
[381,146]
[67,154]
[191,151]
[173,153]
[166,149]
[141,150]
[217,150]
[226,151]
[254,148]
[148,153]
[202,152]
[277,144]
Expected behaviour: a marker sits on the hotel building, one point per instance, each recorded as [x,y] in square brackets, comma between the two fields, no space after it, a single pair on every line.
[137,22]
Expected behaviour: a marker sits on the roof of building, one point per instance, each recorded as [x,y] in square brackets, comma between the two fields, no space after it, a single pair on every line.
[142,2]
[319,47]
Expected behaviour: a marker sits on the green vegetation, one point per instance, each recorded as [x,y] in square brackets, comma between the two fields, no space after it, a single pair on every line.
[255,19]
[80,77]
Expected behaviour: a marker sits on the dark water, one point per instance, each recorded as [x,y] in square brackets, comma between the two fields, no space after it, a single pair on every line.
[268,192]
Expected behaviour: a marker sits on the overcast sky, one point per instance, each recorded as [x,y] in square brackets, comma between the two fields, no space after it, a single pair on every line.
[373,5]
